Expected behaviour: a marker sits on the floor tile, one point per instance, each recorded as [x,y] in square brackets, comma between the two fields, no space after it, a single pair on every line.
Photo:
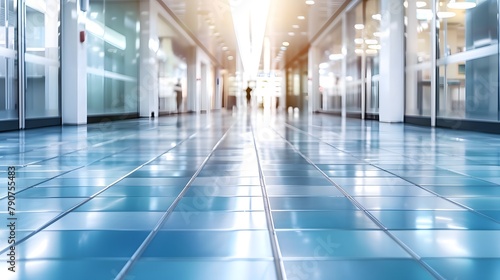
[80,244]
[214,220]
[127,203]
[338,219]
[308,203]
[213,203]
[388,269]
[466,268]
[434,219]
[338,244]
[77,269]
[204,269]
[452,243]
[210,244]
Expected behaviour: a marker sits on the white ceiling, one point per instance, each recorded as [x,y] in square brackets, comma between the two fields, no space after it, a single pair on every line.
[211,22]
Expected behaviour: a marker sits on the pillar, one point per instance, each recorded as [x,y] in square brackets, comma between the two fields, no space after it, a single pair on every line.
[73,65]
[148,68]
[392,71]
[313,80]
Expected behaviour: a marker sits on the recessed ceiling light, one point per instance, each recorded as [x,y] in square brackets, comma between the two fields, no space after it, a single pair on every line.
[230,57]
[336,56]
[377,16]
[301,17]
[421,4]
[446,14]
[371,41]
[291,33]
[283,48]
[296,26]
[461,4]
[377,34]
[286,44]
[359,26]
[358,41]
[375,47]
[310,2]
[225,48]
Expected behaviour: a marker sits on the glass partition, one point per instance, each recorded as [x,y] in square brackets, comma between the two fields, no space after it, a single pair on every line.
[42,58]
[468,60]
[418,21]
[371,38]
[8,61]
[330,72]
[112,57]
[354,55]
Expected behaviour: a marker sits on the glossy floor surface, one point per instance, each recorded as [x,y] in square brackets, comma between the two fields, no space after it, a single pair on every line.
[251,196]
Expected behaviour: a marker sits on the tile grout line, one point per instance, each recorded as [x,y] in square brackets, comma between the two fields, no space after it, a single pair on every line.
[278,258]
[66,212]
[414,255]
[138,253]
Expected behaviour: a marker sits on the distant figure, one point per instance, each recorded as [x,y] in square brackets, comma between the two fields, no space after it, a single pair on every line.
[178,92]
[249,95]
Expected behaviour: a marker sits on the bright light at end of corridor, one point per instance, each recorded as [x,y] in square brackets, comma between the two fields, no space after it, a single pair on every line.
[250,22]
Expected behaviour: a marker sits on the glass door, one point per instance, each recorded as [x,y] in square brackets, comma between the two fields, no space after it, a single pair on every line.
[29,64]
[9,103]
[41,74]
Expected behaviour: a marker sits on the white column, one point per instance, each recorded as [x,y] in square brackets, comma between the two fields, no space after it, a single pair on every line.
[313,80]
[192,80]
[343,86]
[148,69]
[218,88]
[204,90]
[391,106]
[73,65]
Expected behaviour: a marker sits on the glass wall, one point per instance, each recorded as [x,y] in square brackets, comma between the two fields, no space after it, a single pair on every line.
[42,58]
[172,68]
[112,57]
[297,85]
[8,61]
[354,56]
[330,72]
[467,60]
[371,35]
[418,17]
[350,60]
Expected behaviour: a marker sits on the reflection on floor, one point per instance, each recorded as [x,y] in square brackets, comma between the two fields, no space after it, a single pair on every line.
[251,196]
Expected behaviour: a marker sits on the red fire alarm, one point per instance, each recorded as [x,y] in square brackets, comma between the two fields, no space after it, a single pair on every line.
[82,36]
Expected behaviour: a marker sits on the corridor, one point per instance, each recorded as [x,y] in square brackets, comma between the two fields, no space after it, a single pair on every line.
[251,195]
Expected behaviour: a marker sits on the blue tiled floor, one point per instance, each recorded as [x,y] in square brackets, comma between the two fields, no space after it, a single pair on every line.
[252,196]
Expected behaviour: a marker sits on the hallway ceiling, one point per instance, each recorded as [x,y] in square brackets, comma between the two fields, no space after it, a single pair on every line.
[211,22]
